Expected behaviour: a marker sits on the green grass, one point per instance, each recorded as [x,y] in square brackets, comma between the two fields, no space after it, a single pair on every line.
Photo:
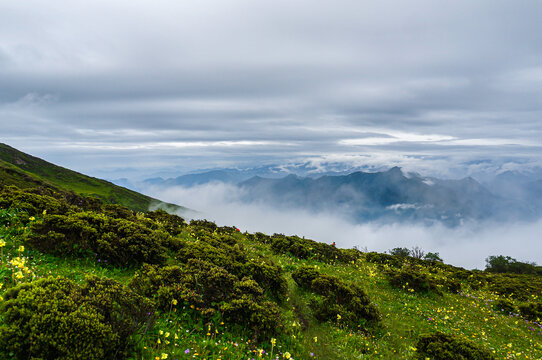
[181,333]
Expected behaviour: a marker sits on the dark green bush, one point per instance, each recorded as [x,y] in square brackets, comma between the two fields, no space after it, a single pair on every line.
[336,297]
[33,204]
[210,288]
[54,318]
[173,224]
[506,264]
[262,317]
[504,306]
[441,346]
[116,241]
[399,251]
[380,258]
[532,310]
[514,285]
[412,278]
[308,249]
[224,251]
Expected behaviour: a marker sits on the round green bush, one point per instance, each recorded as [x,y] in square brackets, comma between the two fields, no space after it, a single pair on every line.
[441,346]
[55,318]
[334,296]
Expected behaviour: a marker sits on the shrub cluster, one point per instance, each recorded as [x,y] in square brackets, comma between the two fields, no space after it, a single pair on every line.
[531,310]
[305,248]
[171,223]
[336,299]
[506,264]
[30,202]
[441,346]
[503,305]
[55,318]
[209,288]
[115,240]
[411,277]
[221,249]
[517,286]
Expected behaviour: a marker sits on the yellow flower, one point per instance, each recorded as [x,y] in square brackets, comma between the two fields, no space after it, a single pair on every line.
[2,243]
[339,317]
[174,302]
[316,339]
[273,341]
[164,356]
[44,212]
[31,218]
[19,275]
[21,248]
[161,332]
[287,355]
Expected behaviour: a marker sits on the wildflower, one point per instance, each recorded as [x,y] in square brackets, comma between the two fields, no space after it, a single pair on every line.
[174,302]
[2,243]
[287,355]
[273,341]
[31,218]
[166,334]
[44,212]
[339,317]
[21,248]
[187,351]
[164,356]
[161,332]
[316,339]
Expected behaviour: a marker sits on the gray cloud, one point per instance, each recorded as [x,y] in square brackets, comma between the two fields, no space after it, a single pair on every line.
[204,84]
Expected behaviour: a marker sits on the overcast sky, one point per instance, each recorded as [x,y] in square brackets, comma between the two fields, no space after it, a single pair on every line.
[107,86]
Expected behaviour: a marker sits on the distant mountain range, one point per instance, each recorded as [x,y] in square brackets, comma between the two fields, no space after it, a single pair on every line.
[385,195]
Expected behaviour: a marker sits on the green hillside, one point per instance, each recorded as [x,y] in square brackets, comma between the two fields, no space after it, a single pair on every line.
[114,284]
[26,171]
[83,279]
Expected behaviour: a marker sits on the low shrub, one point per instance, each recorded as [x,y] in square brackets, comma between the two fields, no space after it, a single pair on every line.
[55,318]
[504,306]
[532,310]
[335,299]
[224,251]
[412,278]
[210,288]
[383,259]
[118,241]
[31,203]
[517,286]
[171,223]
[441,346]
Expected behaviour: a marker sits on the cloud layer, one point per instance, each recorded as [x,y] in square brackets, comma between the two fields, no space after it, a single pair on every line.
[133,84]
[467,246]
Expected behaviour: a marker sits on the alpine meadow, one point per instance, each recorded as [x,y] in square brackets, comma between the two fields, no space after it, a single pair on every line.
[281,180]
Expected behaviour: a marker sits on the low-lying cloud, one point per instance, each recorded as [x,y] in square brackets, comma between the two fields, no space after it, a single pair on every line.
[467,245]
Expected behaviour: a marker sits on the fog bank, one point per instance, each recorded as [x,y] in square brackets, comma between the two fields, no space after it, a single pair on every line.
[466,246]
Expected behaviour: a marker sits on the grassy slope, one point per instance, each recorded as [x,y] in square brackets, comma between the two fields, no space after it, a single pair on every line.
[406,315]
[26,171]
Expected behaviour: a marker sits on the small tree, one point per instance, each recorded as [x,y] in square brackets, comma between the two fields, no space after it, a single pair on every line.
[401,252]
[417,252]
[433,257]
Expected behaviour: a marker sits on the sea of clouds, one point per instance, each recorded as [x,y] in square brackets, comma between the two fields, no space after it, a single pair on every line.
[467,245]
